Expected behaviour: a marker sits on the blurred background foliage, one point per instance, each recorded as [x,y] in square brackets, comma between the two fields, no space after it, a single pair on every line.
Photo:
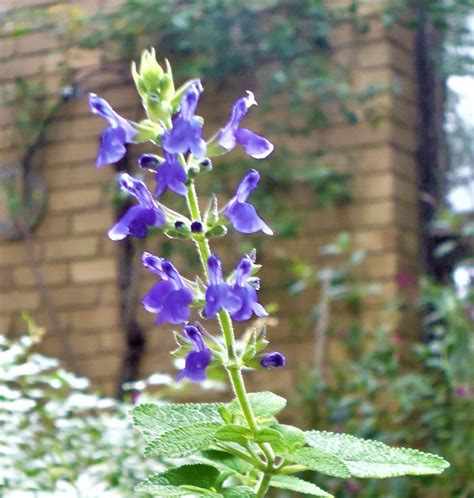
[415,392]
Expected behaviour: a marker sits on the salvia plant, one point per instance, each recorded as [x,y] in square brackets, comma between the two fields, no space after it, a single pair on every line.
[236,449]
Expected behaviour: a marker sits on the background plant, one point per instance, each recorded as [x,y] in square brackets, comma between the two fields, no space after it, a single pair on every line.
[418,394]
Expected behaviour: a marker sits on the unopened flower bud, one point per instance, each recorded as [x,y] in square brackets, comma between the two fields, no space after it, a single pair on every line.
[148,161]
[196,227]
[273,360]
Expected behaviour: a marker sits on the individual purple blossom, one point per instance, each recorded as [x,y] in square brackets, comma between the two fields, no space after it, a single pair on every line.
[246,292]
[198,359]
[228,137]
[219,295]
[113,139]
[186,132]
[171,297]
[273,360]
[241,214]
[171,175]
[138,219]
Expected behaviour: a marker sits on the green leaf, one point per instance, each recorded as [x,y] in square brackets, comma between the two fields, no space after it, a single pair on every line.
[264,404]
[224,461]
[183,441]
[295,484]
[268,436]
[235,433]
[319,461]
[365,458]
[153,419]
[291,439]
[239,492]
[181,481]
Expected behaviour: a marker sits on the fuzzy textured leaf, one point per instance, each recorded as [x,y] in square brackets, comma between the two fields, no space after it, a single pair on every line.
[366,458]
[183,441]
[264,404]
[180,481]
[223,461]
[236,433]
[153,419]
[296,484]
[291,439]
[239,492]
[319,461]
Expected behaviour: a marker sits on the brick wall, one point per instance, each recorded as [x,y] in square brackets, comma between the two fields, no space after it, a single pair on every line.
[78,262]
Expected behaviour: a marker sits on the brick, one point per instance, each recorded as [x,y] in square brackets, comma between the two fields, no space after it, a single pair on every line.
[52,274]
[6,278]
[112,341]
[77,176]
[386,239]
[381,265]
[101,367]
[373,186]
[70,248]
[12,253]
[71,152]
[6,47]
[53,225]
[88,127]
[380,213]
[109,294]
[95,270]
[68,200]
[74,296]
[19,301]
[85,345]
[94,221]
[34,42]
[95,318]
[26,66]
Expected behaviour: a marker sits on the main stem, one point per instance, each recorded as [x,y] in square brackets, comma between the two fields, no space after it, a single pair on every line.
[225,323]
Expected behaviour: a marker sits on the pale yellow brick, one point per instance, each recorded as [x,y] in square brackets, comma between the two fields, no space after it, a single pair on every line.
[51,274]
[52,225]
[95,318]
[95,270]
[70,248]
[35,42]
[93,221]
[19,300]
[74,296]
[68,200]
[77,176]
[12,253]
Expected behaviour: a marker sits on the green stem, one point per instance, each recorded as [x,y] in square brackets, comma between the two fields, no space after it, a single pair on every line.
[254,461]
[263,486]
[225,323]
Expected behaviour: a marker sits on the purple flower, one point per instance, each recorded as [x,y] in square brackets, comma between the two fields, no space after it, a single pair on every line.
[198,359]
[186,133]
[241,214]
[171,297]
[113,139]
[254,145]
[273,360]
[171,175]
[246,292]
[137,219]
[219,295]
